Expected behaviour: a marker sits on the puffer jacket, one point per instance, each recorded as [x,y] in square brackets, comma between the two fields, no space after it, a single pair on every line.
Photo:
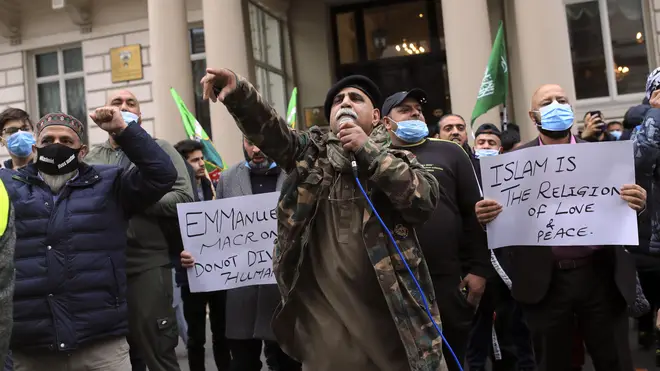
[646,144]
[70,252]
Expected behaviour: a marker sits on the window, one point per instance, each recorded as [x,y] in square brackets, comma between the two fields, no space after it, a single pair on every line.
[198,60]
[608,47]
[347,38]
[268,52]
[61,83]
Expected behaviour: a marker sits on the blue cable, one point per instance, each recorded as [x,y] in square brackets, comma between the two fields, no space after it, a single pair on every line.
[403,259]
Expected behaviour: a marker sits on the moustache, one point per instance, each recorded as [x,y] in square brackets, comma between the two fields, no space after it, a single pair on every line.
[346,112]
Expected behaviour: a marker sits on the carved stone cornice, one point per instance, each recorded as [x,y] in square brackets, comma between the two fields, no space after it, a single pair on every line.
[10,21]
[80,13]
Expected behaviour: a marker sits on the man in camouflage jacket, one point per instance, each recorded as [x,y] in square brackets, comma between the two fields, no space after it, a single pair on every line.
[348,301]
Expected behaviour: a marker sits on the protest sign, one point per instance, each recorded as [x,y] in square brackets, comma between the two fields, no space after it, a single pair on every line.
[231,240]
[561,195]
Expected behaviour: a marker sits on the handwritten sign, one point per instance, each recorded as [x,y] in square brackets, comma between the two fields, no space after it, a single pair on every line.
[231,240]
[561,195]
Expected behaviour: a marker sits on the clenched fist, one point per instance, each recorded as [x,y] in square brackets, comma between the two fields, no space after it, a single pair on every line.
[352,136]
[109,119]
[221,79]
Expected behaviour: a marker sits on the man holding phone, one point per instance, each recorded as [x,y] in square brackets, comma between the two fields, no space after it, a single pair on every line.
[595,128]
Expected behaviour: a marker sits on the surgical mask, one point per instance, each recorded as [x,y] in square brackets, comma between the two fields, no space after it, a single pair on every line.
[129,117]
[57,159]
[411,131]
[616,134]
[20,144]
[556,117]
[486,152]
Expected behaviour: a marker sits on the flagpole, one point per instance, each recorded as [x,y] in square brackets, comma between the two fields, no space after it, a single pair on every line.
[206,174]
[505,117]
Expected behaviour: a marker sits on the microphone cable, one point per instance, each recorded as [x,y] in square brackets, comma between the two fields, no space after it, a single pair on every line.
[403,259]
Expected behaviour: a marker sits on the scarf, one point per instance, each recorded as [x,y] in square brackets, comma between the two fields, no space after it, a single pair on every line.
[339,158]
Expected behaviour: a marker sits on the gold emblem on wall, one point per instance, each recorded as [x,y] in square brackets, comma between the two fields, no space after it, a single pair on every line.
[126,62]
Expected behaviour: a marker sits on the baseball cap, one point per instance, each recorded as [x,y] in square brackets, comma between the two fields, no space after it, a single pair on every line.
[398,98]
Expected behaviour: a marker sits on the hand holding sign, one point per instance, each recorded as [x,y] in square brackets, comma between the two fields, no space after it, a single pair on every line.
[634,195]
[187,260]
[487,211]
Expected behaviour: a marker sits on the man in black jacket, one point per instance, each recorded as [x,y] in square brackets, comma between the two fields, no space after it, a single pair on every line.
[458,262]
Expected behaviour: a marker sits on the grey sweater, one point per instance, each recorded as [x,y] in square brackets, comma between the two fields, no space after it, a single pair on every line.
[147,246]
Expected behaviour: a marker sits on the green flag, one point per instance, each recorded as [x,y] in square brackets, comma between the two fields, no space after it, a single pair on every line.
[495,84]
[291,112]
[212,160]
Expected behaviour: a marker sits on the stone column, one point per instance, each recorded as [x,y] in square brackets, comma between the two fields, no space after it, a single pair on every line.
[536,60]
[225,41]
[170,58]
[468,43]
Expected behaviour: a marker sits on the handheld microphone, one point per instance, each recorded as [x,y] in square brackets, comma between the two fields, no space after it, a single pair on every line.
[351,155]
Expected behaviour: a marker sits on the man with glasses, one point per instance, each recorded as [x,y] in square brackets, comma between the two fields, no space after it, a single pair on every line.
[17,136]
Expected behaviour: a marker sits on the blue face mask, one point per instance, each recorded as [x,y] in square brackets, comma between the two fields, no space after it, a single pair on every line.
[616,134]
[556,117]
[129,117]
[20,144]
[411,131]
[486,152]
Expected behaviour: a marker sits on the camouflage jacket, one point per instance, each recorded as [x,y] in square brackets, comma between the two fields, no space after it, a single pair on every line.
[406,196]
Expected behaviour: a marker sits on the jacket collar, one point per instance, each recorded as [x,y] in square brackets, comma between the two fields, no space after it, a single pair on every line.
[87,175]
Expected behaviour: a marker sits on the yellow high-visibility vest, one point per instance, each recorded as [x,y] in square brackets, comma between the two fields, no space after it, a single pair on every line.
[4,208]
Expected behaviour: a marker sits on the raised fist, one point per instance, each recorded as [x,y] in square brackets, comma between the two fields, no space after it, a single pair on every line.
[109,119]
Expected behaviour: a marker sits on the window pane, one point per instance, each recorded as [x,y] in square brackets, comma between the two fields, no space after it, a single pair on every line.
[346,38]
[46,64]
[257,32]
[75,100]
[277,93]
[628,45]
[397,30]
[202,111]
[587,52]
[273,41]
[48,95]
[262,82]
[197,41]
[73,61]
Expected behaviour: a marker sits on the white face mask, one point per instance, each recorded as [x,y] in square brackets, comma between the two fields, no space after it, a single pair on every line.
[130,117]
[486,152]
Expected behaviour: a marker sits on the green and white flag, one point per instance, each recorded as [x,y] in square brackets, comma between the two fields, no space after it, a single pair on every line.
[291,112]
[495,84]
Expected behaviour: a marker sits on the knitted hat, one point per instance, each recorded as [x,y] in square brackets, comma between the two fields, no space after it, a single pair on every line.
[59,118]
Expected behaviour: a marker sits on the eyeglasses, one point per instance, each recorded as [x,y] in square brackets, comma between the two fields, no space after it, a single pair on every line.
[14,130]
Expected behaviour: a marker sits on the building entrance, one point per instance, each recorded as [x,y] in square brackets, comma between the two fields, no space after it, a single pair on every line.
[397,44]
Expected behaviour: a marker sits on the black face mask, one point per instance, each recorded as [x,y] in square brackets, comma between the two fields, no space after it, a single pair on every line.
[57,159]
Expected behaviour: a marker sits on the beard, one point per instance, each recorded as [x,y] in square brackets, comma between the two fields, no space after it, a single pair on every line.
[57,182]
[555,134]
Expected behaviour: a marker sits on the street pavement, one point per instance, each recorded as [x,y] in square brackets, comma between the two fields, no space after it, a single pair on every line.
[643,360]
